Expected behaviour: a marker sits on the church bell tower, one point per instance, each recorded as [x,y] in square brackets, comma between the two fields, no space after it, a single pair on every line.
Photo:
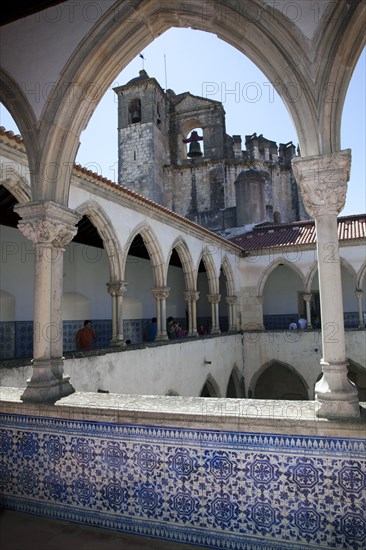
[143,147]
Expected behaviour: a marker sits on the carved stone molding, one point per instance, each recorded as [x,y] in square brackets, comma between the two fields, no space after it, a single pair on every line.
[117,288]
[323,181]
[214,298]
[191,296]
[161,293]
[47,223]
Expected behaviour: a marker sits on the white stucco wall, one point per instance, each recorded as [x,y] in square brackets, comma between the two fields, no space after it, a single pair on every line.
[301,350]
[17,271]
[179,367]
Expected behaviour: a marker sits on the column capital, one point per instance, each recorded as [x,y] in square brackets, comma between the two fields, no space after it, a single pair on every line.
[323,181]
[191,296]
[47,223]
[117,288]
[307,297]
[358,293]
[161,293]
[231,299]
[260,299]
[214,298]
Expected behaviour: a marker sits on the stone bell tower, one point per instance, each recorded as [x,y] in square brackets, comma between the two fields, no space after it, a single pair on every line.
[143,147]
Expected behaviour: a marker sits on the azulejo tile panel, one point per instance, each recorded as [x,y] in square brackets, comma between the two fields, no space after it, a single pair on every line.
[212,488]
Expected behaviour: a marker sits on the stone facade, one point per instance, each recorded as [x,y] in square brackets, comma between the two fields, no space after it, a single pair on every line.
[223,187]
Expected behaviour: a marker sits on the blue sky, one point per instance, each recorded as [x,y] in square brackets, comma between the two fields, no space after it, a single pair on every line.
[195,61]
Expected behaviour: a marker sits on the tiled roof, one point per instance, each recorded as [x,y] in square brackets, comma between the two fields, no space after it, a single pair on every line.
[298,233]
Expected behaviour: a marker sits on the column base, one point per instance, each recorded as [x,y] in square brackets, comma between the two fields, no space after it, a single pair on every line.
[336,395]
[117,343]
[48,392]
[333,408]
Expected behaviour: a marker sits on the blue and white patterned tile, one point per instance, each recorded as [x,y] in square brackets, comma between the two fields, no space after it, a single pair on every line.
[216,489]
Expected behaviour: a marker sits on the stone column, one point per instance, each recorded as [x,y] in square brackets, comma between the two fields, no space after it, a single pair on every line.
[191,297]
[117,290]
[260,300]
[323,183]
[359,296]
[50,226]
[214,300]
[307,299]
[231,302]
[161,294]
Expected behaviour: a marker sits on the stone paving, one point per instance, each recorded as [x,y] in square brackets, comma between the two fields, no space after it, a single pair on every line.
[27,532]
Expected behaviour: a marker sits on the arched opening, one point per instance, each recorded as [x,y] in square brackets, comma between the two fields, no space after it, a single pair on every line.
[223,305]
[235,387]
[194,144]
[282,293]
[134,111]
[17,283]
[139,302]
[207,286]
[210,388]
[280,381]
[176,304]
[86,270]
[357,375]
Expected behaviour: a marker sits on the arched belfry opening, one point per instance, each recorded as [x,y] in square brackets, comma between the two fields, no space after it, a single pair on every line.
[134,111]
[194,144]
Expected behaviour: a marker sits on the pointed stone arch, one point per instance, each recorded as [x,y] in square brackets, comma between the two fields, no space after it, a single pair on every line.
[235,386]
[210,388]
[186,260]
[294,386]
[310,276]
[267,272]
[16,101]
[361,276]
[229,276]
[357,375]
[15,184]
[154,249]
[350,269]
[212,277]
[104,226]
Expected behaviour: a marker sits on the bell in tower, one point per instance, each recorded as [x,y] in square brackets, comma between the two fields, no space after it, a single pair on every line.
[135,111]
[194,146]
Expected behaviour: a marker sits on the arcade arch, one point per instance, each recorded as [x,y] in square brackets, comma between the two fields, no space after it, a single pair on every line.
[277,380]
[235,387]
[210,388]
[282,286]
